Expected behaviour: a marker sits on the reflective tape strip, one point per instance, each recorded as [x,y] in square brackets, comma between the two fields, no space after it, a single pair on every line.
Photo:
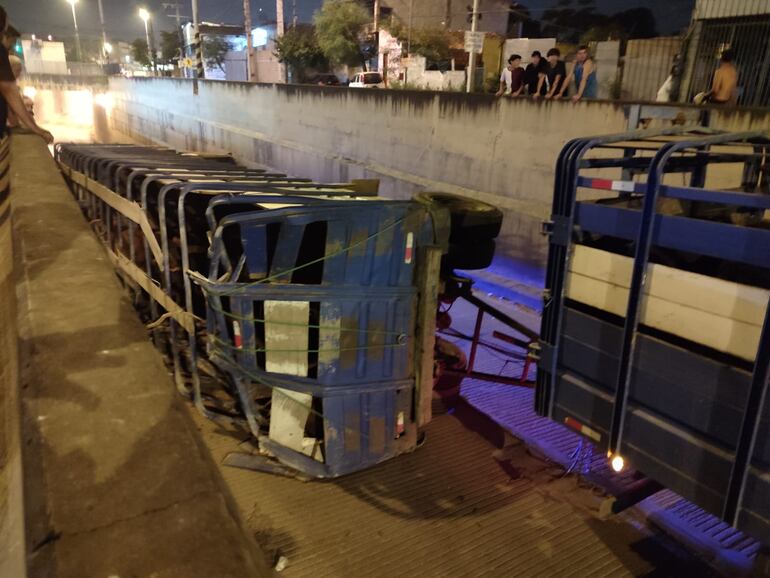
[409,252]
[608,185]
[583,429]
[237,340]
[128,209]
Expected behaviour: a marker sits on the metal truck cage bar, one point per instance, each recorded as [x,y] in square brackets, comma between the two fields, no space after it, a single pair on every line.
[735,456]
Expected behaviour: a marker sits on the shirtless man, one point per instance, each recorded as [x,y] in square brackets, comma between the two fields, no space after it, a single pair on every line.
[725,81]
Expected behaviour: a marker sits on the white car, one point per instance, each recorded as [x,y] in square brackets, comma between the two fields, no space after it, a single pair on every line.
[367,80]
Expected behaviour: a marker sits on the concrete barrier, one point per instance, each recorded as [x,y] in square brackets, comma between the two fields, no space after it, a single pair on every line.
[499,150]
[12,547]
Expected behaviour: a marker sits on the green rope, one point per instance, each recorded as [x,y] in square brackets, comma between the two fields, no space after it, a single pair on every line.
[228,345]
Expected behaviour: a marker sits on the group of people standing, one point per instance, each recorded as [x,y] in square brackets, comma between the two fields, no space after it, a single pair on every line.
[547,77]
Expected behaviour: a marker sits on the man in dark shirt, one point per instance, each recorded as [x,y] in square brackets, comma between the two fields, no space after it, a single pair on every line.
[555,73]
[534,75]
[10,97]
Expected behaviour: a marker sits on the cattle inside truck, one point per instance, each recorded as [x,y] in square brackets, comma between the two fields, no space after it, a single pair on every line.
[655,340]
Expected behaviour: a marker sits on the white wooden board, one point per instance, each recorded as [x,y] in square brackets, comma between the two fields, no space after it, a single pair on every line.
[720,314]
[289,410]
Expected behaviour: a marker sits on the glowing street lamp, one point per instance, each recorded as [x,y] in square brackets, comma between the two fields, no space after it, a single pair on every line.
[77,32]
[107,48]
[145,16]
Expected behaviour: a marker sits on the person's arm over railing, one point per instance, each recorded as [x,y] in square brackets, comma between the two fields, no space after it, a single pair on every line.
[588,68]
[566,83]
[9,90]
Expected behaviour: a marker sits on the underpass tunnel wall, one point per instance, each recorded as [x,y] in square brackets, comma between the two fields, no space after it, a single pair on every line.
[74,109]
[500,151]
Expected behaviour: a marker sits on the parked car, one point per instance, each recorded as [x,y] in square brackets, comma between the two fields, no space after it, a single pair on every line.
[325,79]
[367,80]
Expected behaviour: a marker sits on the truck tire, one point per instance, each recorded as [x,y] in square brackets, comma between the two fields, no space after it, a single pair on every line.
[469,255]
[471,220]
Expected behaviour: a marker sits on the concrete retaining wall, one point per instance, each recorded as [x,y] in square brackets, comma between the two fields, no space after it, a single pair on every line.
[499,150]
[502,151]
[12,549]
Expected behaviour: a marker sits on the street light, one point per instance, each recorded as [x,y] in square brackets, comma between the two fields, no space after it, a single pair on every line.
[145,16]
[107,48]
[77,33]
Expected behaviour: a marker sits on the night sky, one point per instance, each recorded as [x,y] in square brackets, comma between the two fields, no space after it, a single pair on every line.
[44,17]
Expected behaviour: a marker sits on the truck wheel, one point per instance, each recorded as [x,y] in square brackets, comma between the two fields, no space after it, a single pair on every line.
[472,220]
[469,255]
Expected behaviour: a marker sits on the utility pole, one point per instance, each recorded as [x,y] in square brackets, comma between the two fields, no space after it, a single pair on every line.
[77,32]
[448,15]
[104,34]
[197,48]
[178,16]
[294,13]
[249,43]
[472,58]
[279,30]
[408,42]
[377,37]
[409,29]
[153,51]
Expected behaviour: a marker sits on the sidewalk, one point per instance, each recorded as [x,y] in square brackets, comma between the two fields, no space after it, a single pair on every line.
[116,480]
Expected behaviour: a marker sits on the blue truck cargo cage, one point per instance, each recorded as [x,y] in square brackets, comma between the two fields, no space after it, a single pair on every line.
[655,337]
[301,300]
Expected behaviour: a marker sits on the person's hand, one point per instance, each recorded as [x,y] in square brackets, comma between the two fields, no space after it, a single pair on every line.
[576,98]
[45,135]
[536,96]
[499,93]
[548,96]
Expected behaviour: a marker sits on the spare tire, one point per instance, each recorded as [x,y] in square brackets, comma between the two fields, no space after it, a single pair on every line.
[469,255]
[471,220]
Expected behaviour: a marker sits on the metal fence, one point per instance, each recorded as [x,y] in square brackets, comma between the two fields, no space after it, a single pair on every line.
[686,63]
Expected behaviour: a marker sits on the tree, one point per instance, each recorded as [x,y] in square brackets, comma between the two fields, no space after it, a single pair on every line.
[299,49]
[431,42]
[215,49]
[434,43]
[170,45]
[570,19]
[520,21]
[339,27]
[632,23]
[637,22]
[139,52]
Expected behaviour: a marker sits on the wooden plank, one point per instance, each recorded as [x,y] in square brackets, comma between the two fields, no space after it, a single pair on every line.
[428,269]
[129,209]
[719,314]
[709,294]
[176,311]
[286,344]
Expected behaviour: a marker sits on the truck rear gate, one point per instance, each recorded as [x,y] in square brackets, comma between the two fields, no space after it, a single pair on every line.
[655,340]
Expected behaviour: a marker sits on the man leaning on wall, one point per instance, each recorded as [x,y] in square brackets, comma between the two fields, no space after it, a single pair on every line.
[11,99]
